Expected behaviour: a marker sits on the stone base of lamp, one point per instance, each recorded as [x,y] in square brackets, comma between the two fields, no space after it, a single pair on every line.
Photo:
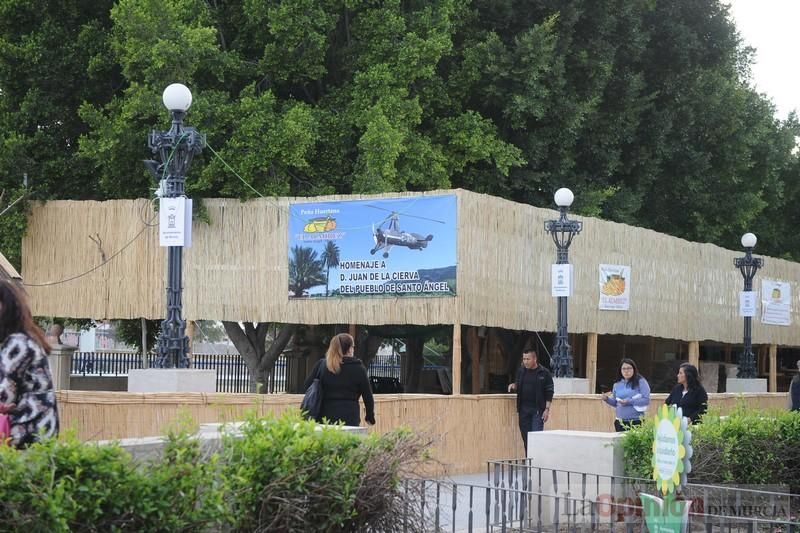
[172,380]
[571,385]
[746,385]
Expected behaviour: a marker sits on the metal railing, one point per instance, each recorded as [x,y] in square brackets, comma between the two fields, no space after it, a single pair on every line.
[611,502]
[468,507]
[233,375]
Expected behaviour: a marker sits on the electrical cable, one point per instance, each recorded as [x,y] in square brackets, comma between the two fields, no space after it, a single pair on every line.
[115,254]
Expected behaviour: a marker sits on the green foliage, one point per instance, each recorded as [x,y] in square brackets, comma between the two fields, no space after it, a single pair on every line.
[67,485]
[749,446]
[644,109]
[280,475]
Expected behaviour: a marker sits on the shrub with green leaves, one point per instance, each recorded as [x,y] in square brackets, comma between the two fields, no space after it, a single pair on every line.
[281,474]
[288,474]
[748,446]
[67,485]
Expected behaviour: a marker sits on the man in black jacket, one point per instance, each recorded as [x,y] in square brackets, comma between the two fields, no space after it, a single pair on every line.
[534,388]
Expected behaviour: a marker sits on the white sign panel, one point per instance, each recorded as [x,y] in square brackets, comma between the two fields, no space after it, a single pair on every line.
[561,280]
[747,303]
[615,287]
[776,306]
[172,221]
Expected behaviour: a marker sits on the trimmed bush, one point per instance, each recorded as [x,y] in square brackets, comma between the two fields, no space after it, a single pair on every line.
[748,446]
[282,474]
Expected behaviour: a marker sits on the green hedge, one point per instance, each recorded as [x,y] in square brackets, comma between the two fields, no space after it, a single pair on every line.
[283,474]
[749,446]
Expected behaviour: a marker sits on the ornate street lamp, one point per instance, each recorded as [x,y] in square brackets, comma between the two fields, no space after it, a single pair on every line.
[175,149]
[748,266]
[563,231]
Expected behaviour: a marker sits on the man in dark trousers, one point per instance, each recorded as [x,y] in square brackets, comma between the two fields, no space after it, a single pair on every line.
[534,388]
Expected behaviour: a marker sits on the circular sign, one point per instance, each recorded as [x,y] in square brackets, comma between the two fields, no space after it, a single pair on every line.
[671,449]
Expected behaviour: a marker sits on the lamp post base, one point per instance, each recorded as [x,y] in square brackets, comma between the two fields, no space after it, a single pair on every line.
[746,385]
[571,385]
[172,380]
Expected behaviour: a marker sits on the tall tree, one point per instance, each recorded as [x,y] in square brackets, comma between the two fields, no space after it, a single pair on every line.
[305,270]
[330,258]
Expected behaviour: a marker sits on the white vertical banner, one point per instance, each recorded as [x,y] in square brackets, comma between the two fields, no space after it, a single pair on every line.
[561,280]
[615,287]
[776,302]
[747,303]
[172,221]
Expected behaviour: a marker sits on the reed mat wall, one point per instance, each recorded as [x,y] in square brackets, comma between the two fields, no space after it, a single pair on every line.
[468,430]
[237,269]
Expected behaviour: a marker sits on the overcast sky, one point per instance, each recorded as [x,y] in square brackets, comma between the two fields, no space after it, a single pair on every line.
[771,27]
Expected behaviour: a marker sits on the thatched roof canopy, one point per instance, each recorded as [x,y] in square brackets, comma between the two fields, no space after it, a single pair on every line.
[237,269]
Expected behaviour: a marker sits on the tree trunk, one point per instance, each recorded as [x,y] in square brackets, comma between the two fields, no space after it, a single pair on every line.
[250,340]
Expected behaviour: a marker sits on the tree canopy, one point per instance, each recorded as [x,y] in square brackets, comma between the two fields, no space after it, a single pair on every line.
[644,109]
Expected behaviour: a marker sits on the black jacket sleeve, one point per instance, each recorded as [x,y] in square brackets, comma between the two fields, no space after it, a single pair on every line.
[313,374]
[795,391]
[366,395]
[674,397]
[549,388]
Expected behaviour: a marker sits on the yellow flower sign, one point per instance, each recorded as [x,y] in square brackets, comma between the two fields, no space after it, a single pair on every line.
[672,449]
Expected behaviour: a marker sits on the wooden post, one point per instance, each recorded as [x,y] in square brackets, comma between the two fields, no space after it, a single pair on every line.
[694,353]
[352,330]
[591,361]
[773,368]
[456,359]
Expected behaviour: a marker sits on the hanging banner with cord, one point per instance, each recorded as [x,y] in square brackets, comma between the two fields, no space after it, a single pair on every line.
[384,247]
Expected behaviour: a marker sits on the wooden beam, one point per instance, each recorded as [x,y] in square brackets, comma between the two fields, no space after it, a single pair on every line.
[773,368]
[591,361]
[456,359]
[694,353]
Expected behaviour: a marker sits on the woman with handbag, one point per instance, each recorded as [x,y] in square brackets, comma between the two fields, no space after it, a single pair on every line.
[343,381]
[27,395]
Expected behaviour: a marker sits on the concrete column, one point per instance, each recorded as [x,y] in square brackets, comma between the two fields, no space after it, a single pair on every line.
[456,359]
[694,353]
[591,361]
[773,368]
[60,360]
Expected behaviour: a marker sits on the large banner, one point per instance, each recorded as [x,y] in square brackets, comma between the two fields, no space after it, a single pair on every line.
[381,247]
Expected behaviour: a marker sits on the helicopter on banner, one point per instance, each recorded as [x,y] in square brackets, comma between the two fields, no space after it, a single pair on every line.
[388,234]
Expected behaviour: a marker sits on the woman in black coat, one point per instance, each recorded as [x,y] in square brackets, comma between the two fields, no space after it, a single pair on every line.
[344,380]
[689,394]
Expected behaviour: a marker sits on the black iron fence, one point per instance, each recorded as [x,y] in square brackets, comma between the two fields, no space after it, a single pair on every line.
[232,372]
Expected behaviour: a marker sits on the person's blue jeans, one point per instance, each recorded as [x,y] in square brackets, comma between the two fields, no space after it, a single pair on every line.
[529,420]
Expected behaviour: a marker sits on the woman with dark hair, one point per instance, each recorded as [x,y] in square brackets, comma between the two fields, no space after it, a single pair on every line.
[630,396]
[344,380]
[26,385]
[689,394]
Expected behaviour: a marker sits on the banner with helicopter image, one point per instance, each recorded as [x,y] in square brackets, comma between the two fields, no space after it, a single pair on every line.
[383,247]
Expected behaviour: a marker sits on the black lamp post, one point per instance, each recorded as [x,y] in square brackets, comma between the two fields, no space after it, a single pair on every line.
[563,231]
[748,266]
[175,149]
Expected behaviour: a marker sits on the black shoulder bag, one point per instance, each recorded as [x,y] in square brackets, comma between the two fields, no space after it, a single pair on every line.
[311,406]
